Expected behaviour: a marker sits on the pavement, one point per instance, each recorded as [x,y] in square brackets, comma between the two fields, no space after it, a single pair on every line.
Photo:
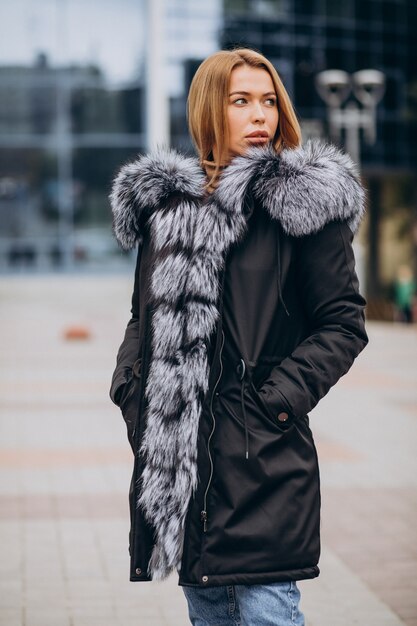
[65,467]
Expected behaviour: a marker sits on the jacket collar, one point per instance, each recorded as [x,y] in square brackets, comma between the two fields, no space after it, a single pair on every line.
[303,188]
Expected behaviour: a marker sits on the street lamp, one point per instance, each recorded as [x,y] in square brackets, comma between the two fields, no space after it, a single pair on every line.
[334,87]
[157,102]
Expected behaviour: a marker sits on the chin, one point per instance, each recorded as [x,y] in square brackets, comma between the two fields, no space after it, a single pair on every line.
[234,153]
[241,150]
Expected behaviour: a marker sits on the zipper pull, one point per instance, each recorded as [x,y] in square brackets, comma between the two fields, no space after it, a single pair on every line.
[204,520]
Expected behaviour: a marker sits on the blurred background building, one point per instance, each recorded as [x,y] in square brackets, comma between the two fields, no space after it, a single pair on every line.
[77,100]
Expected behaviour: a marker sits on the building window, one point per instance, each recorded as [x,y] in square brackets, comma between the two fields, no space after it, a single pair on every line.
[337,9]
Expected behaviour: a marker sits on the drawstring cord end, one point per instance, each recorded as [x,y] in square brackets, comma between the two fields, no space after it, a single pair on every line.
[283,303]
[242,371]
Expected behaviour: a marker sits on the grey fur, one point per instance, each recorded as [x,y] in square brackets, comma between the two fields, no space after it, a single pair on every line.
[146,184]
[304,189]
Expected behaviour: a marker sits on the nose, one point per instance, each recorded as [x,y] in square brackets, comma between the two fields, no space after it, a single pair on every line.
[258,112]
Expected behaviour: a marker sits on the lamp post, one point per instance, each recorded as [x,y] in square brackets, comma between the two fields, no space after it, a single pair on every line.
[368,86]
[157,102]
[334,87]
[64,145]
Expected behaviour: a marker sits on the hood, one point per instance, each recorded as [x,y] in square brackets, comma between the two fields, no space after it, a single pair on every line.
[303,188]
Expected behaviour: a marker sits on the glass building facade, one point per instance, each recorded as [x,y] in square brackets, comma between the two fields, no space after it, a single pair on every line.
[304,37]
[73,109]
[73,102]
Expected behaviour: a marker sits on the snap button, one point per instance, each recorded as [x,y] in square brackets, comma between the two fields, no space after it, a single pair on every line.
[217,394]
[204,579]
[240,369]
[138,571]
[283,416]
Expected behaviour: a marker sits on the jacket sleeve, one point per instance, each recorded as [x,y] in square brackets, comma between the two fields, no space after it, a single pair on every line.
[129,349]
[329,291]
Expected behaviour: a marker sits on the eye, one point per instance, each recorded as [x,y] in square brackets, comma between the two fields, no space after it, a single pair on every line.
[273,100]
[237,100]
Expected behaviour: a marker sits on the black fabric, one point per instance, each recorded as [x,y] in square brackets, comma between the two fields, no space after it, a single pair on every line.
[130,347]
[263,501]
[251,278]
[334,311]
[262,508]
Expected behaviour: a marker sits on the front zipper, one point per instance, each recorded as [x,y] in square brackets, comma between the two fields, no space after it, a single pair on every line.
[204,511]
[138,430]
[143,355]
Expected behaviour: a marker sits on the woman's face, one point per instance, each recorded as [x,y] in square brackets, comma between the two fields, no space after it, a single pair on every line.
[252,108]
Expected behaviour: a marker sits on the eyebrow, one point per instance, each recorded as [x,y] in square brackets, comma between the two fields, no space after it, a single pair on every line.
[246,93]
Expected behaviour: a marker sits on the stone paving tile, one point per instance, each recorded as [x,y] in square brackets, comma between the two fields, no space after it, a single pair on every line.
[65,468]
[11,616]
[386,561]
[340,598]
[46,617]
[11,593]
[50,506]
[86,456]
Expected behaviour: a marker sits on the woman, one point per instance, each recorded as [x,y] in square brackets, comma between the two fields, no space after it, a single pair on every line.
[245,312]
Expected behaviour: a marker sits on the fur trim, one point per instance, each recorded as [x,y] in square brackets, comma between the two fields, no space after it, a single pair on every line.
[188,244]
[146,184]
[302,188]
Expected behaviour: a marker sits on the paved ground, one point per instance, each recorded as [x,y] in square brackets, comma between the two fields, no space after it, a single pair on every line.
[65,467]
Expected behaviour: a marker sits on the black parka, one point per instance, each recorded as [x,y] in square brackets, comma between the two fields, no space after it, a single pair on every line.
[288,322]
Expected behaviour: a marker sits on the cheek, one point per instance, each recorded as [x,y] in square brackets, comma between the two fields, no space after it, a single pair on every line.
[273,119]
[236,122]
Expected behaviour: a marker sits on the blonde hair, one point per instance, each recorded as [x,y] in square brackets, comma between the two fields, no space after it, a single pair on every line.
[207,108]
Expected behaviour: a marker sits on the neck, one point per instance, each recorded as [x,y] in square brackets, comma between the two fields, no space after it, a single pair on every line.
[210,167]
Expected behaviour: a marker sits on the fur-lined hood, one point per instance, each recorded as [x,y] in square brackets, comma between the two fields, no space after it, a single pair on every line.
[304,188]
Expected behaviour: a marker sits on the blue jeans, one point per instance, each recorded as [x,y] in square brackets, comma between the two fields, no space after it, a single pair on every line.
[274,604]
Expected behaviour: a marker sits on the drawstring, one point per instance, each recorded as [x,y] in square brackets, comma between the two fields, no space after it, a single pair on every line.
[241,368]
[279,276]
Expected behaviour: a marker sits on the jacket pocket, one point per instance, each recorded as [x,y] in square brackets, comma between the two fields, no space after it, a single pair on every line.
[283,419]
[118,393]
[128,398]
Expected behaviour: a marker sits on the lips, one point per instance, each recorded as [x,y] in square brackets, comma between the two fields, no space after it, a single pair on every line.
[258,133]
